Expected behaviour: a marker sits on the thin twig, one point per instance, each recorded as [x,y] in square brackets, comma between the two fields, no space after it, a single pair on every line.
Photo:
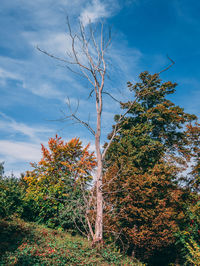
[165,69]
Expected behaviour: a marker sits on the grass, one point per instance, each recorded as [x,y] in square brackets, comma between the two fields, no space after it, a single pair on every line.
[26,244]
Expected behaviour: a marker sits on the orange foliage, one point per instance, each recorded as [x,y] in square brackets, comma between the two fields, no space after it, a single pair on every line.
[61,162]
[144,207]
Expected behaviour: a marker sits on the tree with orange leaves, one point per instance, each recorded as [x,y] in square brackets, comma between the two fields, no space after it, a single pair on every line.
[58,180]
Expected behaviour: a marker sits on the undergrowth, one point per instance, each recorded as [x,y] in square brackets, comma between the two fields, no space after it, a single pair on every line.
[26,244]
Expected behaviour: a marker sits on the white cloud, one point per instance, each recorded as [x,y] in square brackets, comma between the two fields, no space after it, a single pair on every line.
[10,125]
[14,151]
[30,77]
[54,42]
[96,10]
[4,74]
[45,90]
[7,75]
[18,154]
[43,13]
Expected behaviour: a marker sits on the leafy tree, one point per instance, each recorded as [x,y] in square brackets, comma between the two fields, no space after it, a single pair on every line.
[143,163]
[58,180]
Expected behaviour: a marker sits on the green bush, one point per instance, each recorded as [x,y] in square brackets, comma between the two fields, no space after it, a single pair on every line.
[188,237]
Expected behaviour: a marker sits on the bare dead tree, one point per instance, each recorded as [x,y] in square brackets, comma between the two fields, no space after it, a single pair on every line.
[87,59]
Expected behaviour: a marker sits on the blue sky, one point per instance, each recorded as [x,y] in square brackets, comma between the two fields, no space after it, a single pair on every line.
[34,88]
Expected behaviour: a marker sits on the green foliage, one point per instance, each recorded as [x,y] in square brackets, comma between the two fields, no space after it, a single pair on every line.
[189,248]
[193,256]
[188,236]
[11,197]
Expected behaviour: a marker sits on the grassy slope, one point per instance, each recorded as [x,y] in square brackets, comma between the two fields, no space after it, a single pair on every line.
[30,244]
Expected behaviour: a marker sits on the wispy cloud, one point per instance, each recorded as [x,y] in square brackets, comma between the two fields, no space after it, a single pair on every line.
[19,151]
[93,12]
[53,42]
[16,153]
[4,74]
[45,90]
[10,125]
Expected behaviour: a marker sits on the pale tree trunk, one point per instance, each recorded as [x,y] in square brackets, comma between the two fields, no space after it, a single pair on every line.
[99,195]
[99,207]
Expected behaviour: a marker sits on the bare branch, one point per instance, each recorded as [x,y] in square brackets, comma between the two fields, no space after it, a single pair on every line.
[83,123]
[165,69]
[55,57]
[105,92]
[73,116]
[116,130]
[91,93]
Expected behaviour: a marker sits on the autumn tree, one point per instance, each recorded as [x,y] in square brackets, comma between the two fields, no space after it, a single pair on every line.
[142,166]
[58,180]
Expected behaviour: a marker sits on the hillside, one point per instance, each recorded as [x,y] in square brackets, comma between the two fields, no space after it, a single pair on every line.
[26,244]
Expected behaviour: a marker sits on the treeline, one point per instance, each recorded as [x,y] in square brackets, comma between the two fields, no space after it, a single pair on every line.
[151,181]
